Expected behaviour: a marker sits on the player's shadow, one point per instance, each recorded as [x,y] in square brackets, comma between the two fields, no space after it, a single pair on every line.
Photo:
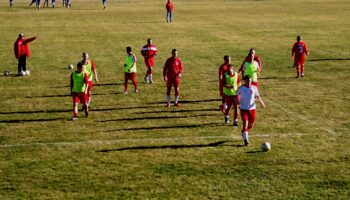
[157,118]
[178,111]
[31,120]
[328,59]
[189,101]
[175,146]
[166,127]
[63,95]
[252,152]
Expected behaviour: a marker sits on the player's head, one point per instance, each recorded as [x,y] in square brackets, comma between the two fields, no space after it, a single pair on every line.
[149,41]
[247,80]
[80,67]
[174,52]
[230,69]
[252,51]
[21,35]
[85,56]
[251,57]
[128,50]
[298,38]
[227,59]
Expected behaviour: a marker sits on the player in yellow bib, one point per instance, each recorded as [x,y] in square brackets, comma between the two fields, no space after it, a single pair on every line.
[79,87]
[130,70]
[231,82]
[90,69]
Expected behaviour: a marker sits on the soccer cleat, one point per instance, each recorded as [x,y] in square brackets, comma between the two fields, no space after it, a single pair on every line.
[246,142]
[235,123]
[125,92]
[227,120]
[86,112]
[136,91]
[74,118]
[167,105]
[302,75]
[150,81]
[176,105]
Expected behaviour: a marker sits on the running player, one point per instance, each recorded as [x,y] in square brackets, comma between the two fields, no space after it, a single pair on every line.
[230,83]
[222,71]
[149,51]
[90,69]
[130,70]
[79,87]
[298,52]
[248,93]
[172,72]
[247,58]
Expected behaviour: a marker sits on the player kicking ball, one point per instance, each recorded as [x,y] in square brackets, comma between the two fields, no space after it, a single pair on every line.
[79,87]
[248,93]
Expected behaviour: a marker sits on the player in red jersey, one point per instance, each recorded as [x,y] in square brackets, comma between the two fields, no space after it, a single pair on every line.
[21,50]
[222,71]
[169,11]
[247,59]
[172,72]
[298,52]
[90,69]
[149,51]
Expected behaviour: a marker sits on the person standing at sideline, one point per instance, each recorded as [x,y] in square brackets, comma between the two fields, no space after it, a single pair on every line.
[149,51]
[222,71]
[79,87]
[299,51]
[248,93]
[90,69]
[21,50]
[130,70]
[169,11]
[230,83]
[172,73]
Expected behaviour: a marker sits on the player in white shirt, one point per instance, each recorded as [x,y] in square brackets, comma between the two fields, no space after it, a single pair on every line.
[248,93]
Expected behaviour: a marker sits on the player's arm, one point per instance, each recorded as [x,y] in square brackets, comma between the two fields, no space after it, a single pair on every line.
[95,71]
[29,40]
[238,80]
[306,50]
[71,84]
[293,50]
[86,80]
[261,101]
[181,69]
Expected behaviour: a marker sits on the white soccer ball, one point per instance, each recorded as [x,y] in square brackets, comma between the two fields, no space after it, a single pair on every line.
[70,66]
[27,73]
[266,146]
[6,73]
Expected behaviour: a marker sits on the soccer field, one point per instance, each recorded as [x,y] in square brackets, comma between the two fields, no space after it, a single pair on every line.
[131,146]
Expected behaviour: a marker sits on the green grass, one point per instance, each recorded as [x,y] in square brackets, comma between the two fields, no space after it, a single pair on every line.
[131,147]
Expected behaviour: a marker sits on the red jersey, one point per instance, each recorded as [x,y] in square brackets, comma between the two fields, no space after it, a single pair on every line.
[148,51]
[247,59]
[222,71]
[21,47]
[173,67]
[169,6]
[299,50]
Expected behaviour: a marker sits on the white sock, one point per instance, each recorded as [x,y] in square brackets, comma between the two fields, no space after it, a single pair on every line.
[150,77]
[168,99]
[176,99]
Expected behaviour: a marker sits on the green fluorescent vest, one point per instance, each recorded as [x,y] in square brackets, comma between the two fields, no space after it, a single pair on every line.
[79,82]
[129,64]
[230,81]
[249,70]
[88,70]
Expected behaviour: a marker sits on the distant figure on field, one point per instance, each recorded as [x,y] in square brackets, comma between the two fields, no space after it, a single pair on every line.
[22,51]
[130,70]
[251,68]
[104,4]
[230,83]
[149,51]
[90,69]
[247,58]
[248,93]
[46,2]
[222,71]
[172,72]
[37,3]
[169,11]
[298,52]
[11,3]
[79,86]
[53,3]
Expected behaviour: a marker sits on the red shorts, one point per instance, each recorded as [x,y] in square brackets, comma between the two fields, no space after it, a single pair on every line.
[173,81]
[255,84]
[79,97]
[149,61]
[130,76]
[248,115]
[299,61]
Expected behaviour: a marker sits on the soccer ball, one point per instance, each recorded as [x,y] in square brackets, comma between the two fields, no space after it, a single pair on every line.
[70,66]
[6,73]
[27,73]
[266,146]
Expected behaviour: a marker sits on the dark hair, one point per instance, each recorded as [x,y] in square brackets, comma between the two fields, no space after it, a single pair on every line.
[149,39]
[80,65]
[128,49]
[246,77]
[226,57]
[173,50]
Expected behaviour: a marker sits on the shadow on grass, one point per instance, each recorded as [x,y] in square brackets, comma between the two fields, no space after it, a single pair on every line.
[328,59]
[179,111]
[189,101]
[32,120]
[250,152]
[166,127]
[175,146]
[158,117]
[62,95]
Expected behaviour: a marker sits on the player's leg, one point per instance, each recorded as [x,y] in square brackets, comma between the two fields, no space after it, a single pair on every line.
[168,91]
[126,79]
[251,119]
[244,116]
[75,106]
[89,92]
[134,81]
[228,103]
[302,70]
[167,16]
[177,91]
[171,16]
[297,67]
[235,110]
